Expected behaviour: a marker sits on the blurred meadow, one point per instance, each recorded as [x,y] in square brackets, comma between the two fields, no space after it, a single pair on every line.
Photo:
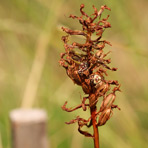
[30,75]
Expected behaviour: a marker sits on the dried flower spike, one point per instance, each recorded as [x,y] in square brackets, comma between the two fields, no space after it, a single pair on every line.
[87,66]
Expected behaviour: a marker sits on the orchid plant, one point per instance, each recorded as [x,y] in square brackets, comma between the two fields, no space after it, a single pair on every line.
[86,65]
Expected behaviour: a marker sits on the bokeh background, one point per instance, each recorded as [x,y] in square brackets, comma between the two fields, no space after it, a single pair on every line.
[30,76]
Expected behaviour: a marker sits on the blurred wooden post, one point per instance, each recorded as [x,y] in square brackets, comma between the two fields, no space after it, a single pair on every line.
[29,128]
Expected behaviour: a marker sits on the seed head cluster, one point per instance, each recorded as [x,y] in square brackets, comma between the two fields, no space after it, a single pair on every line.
[86,65]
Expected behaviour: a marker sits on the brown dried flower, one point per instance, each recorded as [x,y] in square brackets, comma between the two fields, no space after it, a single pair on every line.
[87,66]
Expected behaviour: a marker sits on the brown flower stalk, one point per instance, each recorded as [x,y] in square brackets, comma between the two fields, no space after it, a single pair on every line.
[86,64]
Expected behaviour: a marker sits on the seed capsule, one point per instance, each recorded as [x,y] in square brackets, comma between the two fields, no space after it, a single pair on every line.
[105,115]
[86,88]
[107,101]
[74,76]
[102,88]
[92,100]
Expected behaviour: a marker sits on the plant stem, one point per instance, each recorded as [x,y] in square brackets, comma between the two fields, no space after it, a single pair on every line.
[95,128]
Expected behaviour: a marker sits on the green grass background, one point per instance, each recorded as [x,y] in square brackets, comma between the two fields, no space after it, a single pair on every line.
[30,76]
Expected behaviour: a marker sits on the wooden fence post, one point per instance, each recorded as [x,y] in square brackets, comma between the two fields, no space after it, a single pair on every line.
[29,128]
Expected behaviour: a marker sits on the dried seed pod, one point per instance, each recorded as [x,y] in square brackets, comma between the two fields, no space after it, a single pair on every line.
[107,101]
[86,87]
[102,88]
[104,117]
[92,100]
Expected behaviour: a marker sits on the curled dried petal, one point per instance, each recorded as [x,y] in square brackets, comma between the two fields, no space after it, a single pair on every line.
[72,121]
[81,10]
[85,133]
[73,32]
[72,109]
